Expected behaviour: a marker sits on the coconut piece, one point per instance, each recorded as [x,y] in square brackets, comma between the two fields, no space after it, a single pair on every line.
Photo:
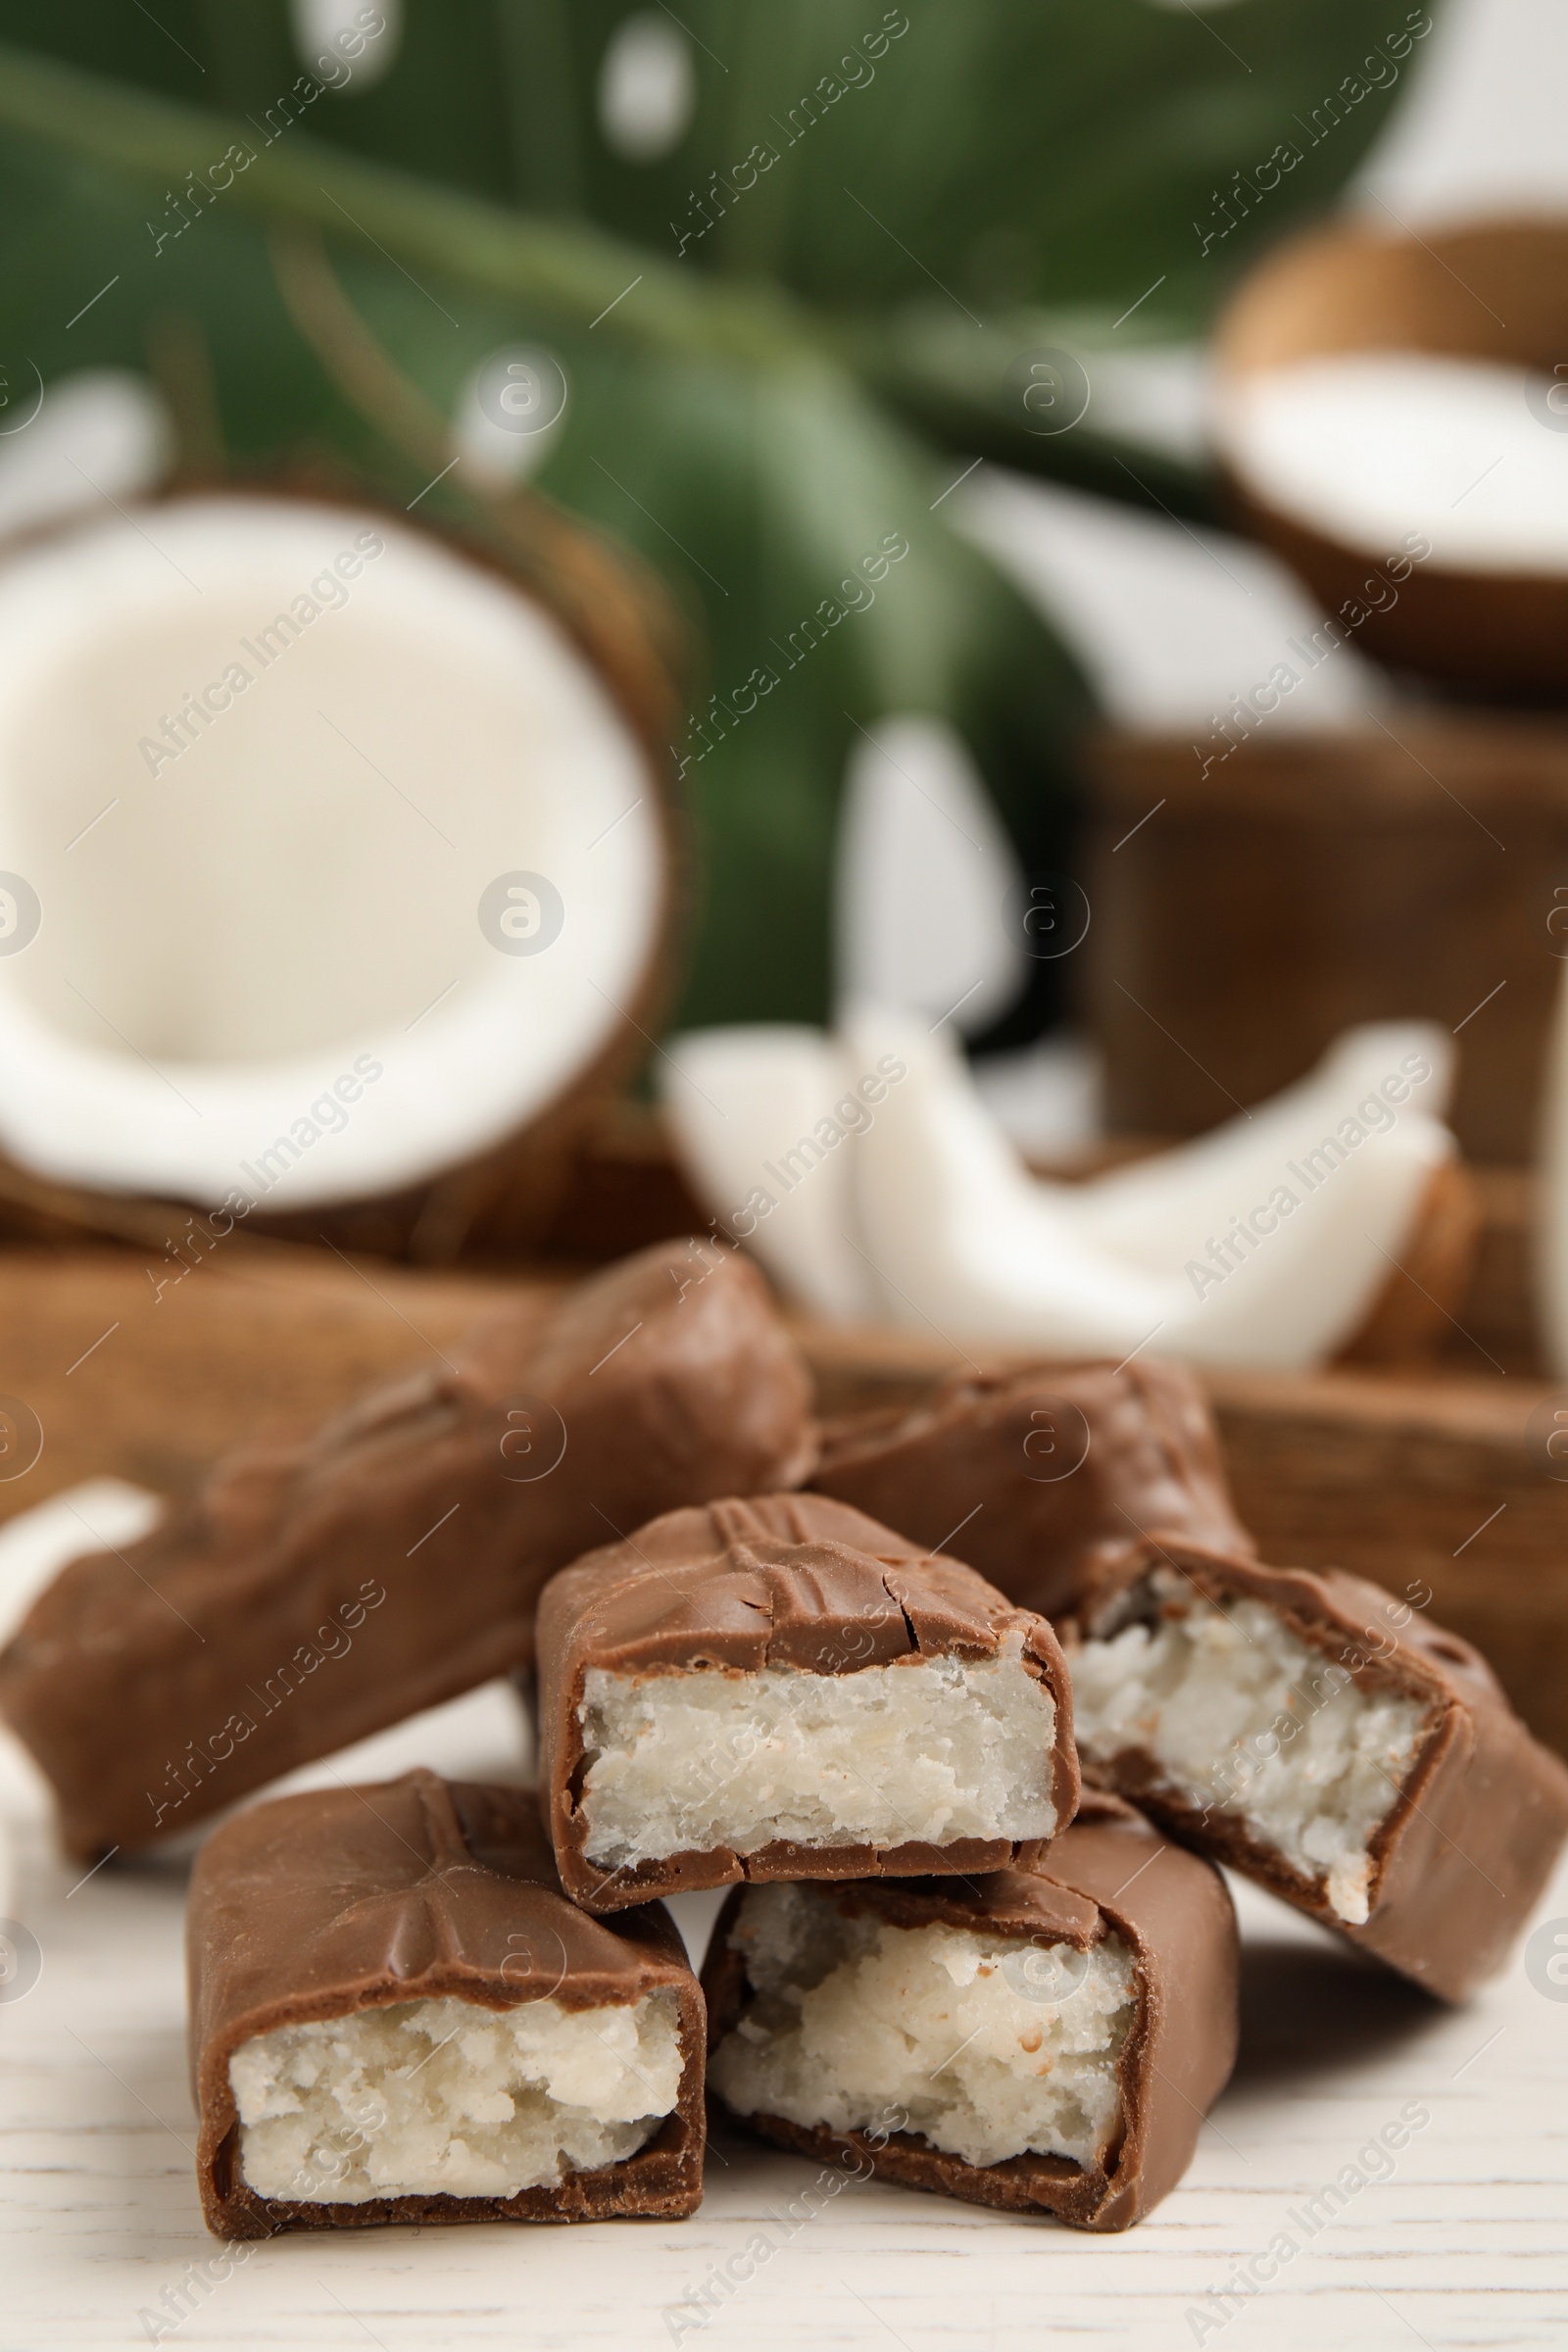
[1327,1741]
[396,2015]
[351,870]
[1151,1207]
[781,1688]
[1044,2040]
[1050,1471]
[318,1590]
[965,1239]
[962,1237]
[1271,1242]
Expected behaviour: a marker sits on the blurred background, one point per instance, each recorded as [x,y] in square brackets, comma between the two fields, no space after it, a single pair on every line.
[686,315]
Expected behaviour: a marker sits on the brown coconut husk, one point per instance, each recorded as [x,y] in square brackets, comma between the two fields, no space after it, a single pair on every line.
[1494,291]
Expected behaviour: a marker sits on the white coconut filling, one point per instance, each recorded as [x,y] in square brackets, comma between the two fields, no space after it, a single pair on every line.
[934,1748]
[445,2097]
[1244,1719]
[990,2047]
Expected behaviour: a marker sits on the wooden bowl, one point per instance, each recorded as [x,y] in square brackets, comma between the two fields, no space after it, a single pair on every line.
[1496,291]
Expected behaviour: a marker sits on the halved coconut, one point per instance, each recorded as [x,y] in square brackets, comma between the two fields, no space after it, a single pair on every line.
[1378,392]
[334,876]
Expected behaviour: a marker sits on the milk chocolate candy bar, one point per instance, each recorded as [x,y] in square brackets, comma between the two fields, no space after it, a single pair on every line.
[397,2016]
[781,1689]
[1047,2041]
[1329,1742]
[316,1592]
[1051,1470]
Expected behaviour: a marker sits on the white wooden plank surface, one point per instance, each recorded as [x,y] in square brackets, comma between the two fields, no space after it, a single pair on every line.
[1466,2243]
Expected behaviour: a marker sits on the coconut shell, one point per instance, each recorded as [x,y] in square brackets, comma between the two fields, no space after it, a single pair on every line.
[501,1201]
[1496,291]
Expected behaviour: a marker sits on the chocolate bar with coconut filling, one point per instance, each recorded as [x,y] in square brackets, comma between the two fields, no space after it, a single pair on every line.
[1048,1471]
[1047,2041]
[1329,1742]
[781,1689]
[397,2016]
[318,1590]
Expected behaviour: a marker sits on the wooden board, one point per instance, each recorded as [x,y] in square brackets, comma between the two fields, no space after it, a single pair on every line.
[1432,1481]
[151,1387]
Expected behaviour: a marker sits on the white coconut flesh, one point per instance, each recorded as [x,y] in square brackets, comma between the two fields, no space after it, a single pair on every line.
[964,1239]
[293,902]
[1149,1210]
[1370,446]
[909,1202]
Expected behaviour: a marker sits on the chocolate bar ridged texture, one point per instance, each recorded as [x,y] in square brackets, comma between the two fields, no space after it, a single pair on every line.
[346,1900]
[1111,1873]
[782,1581]
[1051,1470]
[1475,1822]
[317,1590]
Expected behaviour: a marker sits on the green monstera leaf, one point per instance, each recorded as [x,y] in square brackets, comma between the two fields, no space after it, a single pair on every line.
[785,333]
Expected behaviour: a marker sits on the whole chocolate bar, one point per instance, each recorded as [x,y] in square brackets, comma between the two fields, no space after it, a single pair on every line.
[1047,2041]
[1050,1470]
[1328,1741]
[397,2016]
[781,1689]
[318,1590]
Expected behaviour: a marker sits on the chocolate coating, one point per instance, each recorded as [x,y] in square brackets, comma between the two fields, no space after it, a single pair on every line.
[781,1580]
[1480,1820]
[994,1452]
[1111,1872]
[316,1591]
[346,1899]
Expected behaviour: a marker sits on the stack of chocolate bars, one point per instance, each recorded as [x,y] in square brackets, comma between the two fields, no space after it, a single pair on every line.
[852,1673]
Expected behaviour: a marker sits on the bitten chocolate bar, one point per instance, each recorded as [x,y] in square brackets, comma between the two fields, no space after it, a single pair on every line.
[1050,1471]
[318,1590]
[1327,1741]
[1047,2041]
[397,2016]
[781,1689]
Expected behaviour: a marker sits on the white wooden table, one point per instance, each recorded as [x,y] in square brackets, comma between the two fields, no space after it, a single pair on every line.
[1465,2244]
